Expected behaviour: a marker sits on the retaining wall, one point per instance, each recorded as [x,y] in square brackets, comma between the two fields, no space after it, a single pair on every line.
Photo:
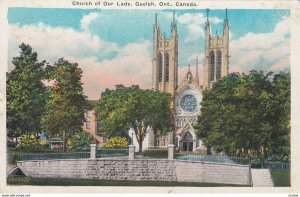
[139,169]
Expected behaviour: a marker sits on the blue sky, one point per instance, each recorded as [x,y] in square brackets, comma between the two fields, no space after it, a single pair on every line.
[115,46]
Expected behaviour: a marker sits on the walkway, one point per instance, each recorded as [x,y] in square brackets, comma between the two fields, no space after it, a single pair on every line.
[261,178]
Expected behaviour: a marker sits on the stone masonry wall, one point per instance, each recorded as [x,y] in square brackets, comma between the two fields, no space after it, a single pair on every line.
[138,169]
[159,170]
[65,168]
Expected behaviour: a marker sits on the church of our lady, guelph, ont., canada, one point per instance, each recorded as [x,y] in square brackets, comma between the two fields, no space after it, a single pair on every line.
[187,95]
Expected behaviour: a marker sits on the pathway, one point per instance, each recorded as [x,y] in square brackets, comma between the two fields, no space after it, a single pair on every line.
[261,178]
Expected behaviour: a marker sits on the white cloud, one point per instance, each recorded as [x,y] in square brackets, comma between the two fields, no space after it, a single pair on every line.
[264,51]
[55,42]
[194,24]
[131,64]
[86,20]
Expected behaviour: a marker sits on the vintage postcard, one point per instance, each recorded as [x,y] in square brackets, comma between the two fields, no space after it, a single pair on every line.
[168,96]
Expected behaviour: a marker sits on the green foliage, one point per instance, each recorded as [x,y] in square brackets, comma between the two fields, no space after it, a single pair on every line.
[116,142]
[249,112]
[156,153]
[30,143]
[79,141]
[26,93]
[257,161]
[65,108]
[130,107]
[281,178]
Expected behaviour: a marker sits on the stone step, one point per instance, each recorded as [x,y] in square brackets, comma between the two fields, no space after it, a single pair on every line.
[261,178]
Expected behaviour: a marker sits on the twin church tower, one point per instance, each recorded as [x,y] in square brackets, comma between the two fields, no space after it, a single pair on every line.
[165,57]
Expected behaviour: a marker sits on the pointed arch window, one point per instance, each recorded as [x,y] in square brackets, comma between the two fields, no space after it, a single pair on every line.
[167,67]
[160,67]
[212,65]
[219,64]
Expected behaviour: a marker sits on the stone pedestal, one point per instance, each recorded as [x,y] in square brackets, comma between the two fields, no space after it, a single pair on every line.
[93,151]
[171,151]
[131,149]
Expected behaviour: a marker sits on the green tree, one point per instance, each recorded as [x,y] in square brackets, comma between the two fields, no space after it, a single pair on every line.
[64,113]
[280,110]
[26,93]
[79,141]
[131,107]
[243,113]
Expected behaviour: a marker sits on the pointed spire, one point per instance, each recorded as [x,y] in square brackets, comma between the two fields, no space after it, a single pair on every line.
[197,77]
[155,18]
[173,24]
[226,17]
[226,22]
[173,17]
[207,13]
[189,75]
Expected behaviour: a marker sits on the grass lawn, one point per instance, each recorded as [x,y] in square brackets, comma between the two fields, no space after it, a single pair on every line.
[13,154]
[281,178]
[90,182]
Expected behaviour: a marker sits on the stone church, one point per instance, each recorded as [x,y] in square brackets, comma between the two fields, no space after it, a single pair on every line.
[187,95]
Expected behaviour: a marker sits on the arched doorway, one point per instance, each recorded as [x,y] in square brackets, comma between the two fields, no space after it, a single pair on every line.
[187,142]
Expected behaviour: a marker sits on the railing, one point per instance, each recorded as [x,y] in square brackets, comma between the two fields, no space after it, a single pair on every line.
[111,152]
[276,165]
[211,158]
[49,156]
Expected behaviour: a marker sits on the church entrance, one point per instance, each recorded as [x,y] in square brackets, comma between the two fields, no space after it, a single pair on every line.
[187,143]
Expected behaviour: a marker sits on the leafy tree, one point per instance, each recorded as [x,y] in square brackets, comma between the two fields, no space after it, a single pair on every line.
[246,113]
[65,108]
[26,93]
[131,107]
[279,110]
[79,140]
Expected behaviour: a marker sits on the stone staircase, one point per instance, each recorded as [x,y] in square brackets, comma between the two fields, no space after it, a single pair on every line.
[261,178]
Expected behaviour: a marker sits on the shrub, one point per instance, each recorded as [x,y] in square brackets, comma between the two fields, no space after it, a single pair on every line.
[79,141]
[30,143]
[116,142]
[156,153]
[281,158]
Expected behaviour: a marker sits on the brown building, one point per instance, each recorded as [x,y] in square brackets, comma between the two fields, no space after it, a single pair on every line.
[90,126]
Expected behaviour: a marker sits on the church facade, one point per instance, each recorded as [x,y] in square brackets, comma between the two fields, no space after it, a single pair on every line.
[187,95]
